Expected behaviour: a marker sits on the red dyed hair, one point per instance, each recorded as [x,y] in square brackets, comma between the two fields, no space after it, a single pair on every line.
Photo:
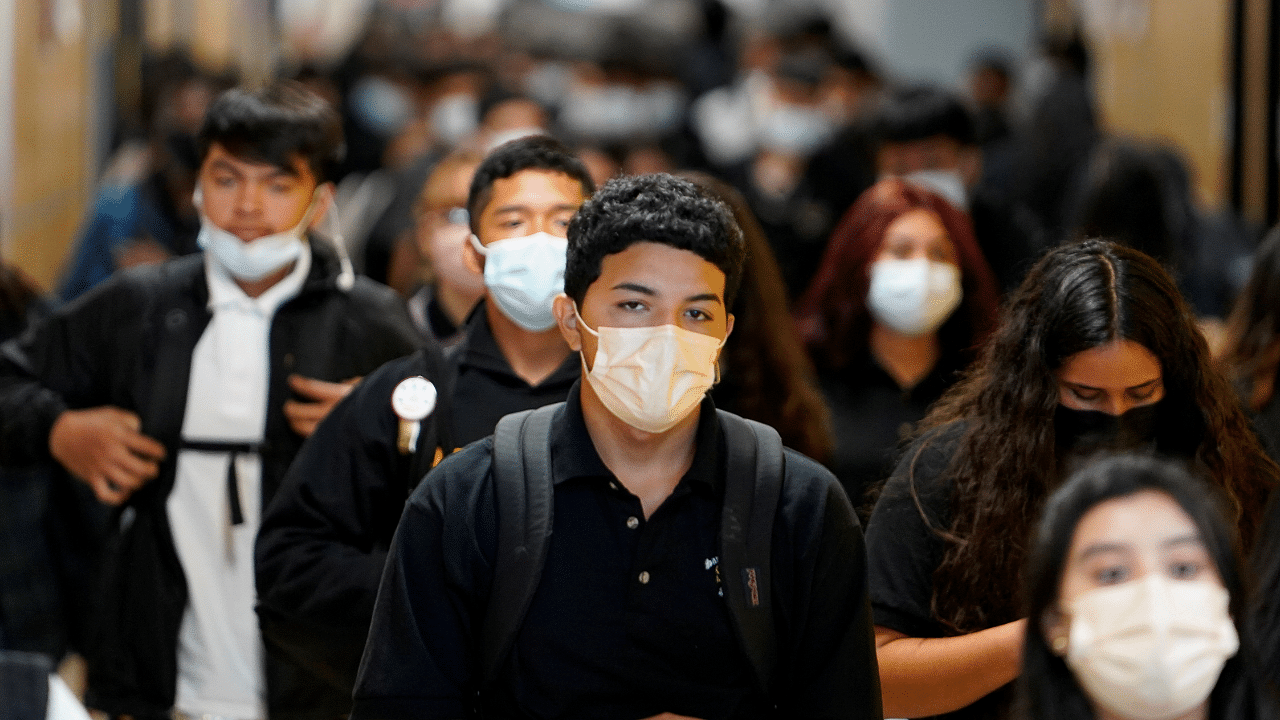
[833,315]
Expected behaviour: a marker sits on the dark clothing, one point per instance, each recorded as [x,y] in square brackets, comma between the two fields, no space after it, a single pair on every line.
[129,343]
[1009,235]
[486,388]
[870,416]
[323,540]
[903,551]
[627,622]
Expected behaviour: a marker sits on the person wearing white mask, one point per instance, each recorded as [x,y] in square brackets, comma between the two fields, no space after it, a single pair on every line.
[180,393]
[926,135]
[903,297]
[324,539]
[1137,594]
[634,606]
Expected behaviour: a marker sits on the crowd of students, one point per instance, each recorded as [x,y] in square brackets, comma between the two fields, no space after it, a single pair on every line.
[498,479]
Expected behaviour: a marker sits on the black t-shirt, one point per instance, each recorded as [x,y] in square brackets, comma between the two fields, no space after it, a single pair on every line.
[870,414]
[904,550]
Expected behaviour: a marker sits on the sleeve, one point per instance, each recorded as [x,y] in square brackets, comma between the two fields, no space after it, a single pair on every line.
[71,359]
[421,659]
[828,665]
[903,547]
[324,537]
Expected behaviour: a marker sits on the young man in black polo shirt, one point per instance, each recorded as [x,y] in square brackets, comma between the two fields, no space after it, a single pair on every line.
[324,538]
[629,616]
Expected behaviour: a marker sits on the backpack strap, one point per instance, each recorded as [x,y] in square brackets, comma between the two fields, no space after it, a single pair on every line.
[753,485]
[523,489]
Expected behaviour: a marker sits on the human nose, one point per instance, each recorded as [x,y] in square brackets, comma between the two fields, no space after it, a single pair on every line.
[248,199]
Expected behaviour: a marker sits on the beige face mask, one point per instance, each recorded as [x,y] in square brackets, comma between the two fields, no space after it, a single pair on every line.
[651,378]
[1152,648]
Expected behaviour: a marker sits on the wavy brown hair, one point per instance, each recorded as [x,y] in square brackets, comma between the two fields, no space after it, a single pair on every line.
[1077,297]
[833,314]
[768,377]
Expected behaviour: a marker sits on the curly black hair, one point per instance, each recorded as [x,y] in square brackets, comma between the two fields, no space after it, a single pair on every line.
[535,152]
[274,124]
[658,208]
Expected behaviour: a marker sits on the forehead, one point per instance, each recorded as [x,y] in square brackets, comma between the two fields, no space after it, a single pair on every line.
[1119,364]
[1143,520]
[219,158]
[534,188]
[662,268]
[448,183]
[917,224]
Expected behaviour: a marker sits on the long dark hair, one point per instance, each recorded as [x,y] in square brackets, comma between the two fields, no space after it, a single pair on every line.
[833,314]
[1077,297]
[1252,351]
[768,376]
[1047,688]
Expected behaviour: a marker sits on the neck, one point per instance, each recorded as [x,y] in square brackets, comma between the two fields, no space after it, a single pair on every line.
[455,304]
[532,355]
[649,465]
[1200,712]
[254,288]
[907,358]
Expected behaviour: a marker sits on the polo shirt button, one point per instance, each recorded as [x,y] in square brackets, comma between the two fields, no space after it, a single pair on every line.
[644,577]
[633,522]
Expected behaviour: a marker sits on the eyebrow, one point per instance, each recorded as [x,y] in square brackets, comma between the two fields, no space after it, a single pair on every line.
[1100,548]
[1139,386]
[1192,539]
[646,290]
[276,171]
[520,207]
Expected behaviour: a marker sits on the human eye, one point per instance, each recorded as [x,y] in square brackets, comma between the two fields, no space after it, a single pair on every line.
[1084,394]
[1185,569]
[1111,574]
[224,180]
[1145,392]
[698,314]
[632,306]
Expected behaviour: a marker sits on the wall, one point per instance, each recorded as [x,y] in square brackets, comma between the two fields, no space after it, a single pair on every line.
[1162,73]
[47,159]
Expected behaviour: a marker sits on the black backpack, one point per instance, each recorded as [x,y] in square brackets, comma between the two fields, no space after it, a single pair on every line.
[522,481]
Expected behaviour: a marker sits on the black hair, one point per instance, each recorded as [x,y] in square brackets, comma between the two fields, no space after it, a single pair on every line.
[922,112]
[658,208]
[536,152]
[1048,690]
[275,124]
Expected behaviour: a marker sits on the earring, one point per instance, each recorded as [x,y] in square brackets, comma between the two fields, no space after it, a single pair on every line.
[1060,645]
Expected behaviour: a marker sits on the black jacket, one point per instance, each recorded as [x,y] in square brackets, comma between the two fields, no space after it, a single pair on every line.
[129,343]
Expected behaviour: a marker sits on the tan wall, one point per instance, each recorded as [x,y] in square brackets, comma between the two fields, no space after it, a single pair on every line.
[51,176]
[1171,83]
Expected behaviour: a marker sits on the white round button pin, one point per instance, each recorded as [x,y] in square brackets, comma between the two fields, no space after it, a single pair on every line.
[414,398]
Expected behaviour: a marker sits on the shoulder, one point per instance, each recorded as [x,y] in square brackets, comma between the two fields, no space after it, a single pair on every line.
[460,482]
[125,290]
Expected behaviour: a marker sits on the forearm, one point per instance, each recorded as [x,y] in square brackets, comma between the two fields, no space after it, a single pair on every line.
[930,676]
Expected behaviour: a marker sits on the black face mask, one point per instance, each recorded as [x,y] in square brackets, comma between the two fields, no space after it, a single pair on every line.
[1081,433]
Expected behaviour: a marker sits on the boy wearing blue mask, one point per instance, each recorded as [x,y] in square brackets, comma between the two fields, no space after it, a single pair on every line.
[597,558]
[324,538]
[181,392]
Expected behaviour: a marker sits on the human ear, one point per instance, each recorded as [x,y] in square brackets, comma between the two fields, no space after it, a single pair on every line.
[1055,627]
[324,202]
[567,321]
[472,258]
[728,326]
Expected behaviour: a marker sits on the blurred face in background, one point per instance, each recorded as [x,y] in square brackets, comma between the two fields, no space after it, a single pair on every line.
[443,226]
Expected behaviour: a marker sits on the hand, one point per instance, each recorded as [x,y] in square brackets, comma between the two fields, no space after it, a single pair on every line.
[104,447]
[303,417]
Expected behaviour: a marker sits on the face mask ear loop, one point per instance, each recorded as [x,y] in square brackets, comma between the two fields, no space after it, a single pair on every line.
[347,274]
[479,246]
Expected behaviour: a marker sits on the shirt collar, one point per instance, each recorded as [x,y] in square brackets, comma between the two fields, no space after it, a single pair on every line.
[224,293]
[574,455]
[482,352]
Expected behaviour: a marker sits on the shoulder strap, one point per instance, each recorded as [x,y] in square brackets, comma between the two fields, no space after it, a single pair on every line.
[753,484]
[523,489]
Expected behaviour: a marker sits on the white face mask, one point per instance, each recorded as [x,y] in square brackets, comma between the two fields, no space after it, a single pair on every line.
[524,275]
[913,297]
[1150,649]
[795,129]
[946,183]
[651,378]
[251,261]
